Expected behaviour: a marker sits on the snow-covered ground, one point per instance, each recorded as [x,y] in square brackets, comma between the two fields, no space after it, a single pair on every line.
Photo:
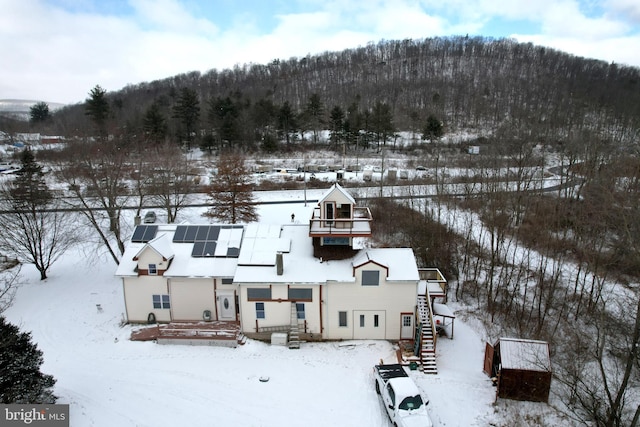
[111,381]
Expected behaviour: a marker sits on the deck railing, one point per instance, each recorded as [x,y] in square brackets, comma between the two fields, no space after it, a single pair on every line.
[359,224]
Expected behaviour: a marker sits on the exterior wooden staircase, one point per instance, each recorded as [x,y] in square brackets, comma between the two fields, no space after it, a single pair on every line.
[294,330]
[427,337]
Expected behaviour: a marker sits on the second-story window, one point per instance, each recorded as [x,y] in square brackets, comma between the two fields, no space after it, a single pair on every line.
[153,269]
[344,211]
[370,278]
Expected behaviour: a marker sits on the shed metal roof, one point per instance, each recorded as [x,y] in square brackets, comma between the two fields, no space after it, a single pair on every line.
[525,355]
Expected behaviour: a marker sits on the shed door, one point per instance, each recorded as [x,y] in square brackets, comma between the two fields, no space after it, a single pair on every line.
[488,360]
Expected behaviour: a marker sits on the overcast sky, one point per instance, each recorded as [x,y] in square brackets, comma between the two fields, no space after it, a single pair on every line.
[57,50]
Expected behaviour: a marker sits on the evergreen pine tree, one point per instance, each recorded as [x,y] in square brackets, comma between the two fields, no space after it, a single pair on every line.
[230,192]
[20,378]
[29,190]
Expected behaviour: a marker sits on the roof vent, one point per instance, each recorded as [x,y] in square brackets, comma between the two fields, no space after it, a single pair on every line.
[279,264]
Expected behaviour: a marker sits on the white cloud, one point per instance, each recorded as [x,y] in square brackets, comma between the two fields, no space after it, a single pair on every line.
[170,15]
[53,54]
[625,9]
[565,19]
[622,50]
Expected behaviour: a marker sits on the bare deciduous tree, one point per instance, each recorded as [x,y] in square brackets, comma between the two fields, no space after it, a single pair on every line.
[96,176]
[171,180]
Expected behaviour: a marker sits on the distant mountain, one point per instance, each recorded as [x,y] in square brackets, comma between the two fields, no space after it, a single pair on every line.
[19,108]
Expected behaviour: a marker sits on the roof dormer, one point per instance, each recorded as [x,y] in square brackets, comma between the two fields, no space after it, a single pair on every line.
[154,257]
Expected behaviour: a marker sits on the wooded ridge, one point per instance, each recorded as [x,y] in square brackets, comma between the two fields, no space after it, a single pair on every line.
[466,82]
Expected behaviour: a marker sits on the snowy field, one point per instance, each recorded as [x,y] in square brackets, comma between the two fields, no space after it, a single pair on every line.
[111,381]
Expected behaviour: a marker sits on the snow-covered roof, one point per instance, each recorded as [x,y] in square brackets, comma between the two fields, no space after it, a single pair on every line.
[401,262]
[258,245]
[337,187]
[183,263]
[161,244]
[300,266]
[526,355]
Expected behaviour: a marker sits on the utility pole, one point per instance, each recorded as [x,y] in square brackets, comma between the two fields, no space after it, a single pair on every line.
[382,174]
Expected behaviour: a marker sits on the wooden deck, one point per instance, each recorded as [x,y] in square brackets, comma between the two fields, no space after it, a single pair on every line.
[190,331]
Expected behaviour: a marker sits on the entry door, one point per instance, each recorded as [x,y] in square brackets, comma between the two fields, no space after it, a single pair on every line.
[328,213]
[406,330]
[226,305]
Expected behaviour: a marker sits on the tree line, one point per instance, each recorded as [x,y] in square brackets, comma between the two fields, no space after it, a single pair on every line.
[364,95]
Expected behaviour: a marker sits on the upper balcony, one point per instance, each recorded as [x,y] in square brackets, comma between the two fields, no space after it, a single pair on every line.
[432,283]
[344,225]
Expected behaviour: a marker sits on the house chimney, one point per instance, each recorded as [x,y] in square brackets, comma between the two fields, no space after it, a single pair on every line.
[279,264]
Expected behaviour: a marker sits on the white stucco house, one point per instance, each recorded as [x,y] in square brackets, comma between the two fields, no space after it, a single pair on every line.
[319,278]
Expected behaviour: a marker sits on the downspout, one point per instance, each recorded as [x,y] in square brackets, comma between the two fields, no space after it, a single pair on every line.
[126,309]
[320,307]
[170,300]
[215,299]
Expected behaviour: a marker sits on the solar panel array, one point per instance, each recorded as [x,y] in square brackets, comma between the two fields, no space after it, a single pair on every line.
[144,233]
[211,240]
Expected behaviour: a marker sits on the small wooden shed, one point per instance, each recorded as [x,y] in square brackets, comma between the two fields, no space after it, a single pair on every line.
[522,368]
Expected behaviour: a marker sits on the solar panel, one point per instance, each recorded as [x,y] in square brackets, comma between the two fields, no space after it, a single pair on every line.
[150,233]
[138,233]
[190,235]
[144,233]
[233,252]
[203,249]
[201,235]
[198,249]
[214,232]
[178,236]
[209,249]
[207,238]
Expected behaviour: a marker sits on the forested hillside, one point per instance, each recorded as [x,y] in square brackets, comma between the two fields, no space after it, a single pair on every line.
[484,84]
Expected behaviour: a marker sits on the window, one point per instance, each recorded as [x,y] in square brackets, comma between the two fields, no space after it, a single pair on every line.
[406,320]
[300,310]
[259,310]
[392,394]
[328,213]
[153,269]
[342,318]
[376,320]
[227,280]
[259,293]
[370,278]
[362,320]
[161,301]
[300,294]
[344,211]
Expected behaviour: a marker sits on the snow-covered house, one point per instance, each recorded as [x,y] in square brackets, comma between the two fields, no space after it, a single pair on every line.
[180,273]
[317,281]
[280,282]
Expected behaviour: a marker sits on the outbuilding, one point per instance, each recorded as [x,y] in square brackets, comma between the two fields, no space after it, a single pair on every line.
[520,367]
